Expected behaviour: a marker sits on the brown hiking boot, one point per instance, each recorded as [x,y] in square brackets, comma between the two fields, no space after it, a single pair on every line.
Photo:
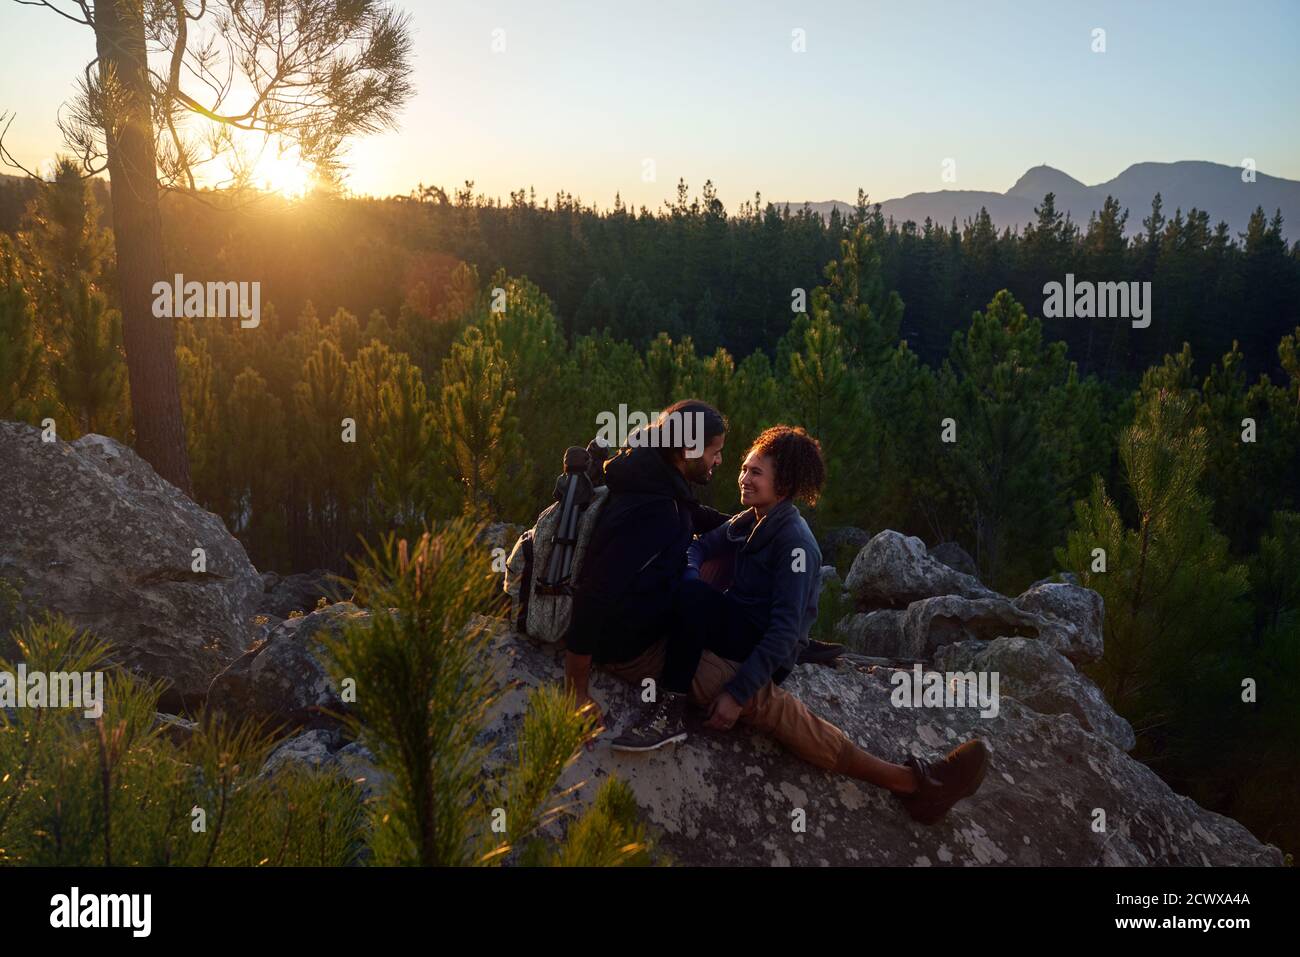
[941,784]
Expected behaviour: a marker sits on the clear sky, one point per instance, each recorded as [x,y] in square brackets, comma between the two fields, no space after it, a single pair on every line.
[583,93]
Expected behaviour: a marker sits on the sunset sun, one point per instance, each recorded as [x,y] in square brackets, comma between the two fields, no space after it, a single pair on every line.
[284,173]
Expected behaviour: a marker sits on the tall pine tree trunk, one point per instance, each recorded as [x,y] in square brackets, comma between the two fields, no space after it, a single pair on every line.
[137,230]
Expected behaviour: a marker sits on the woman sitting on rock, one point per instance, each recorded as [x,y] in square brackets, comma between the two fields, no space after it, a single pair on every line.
[756,626]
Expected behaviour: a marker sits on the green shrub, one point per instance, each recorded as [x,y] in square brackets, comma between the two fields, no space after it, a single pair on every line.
[118,789]
[425,688]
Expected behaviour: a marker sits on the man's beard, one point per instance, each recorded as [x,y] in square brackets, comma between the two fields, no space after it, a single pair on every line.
[701,476]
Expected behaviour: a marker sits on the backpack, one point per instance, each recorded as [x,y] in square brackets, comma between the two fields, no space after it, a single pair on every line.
[539,609]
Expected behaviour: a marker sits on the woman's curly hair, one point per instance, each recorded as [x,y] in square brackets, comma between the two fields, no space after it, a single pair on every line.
[797,457]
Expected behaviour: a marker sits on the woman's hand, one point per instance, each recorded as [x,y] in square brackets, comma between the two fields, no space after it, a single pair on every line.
[724,712]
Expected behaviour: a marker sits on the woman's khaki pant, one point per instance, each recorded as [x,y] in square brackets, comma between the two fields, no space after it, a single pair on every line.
[772,710]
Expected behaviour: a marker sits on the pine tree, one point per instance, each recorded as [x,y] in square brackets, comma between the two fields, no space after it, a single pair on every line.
[200,406]
[607,372]
[1022,423]
[63,239]
[90,374]
[328,466]
[1104,260]
[1172,595]
[671,369]
[405,477]
[66,248]
[422,666]
[820,389]
[478,433]
[535,359]
[856,299]
[255,441]
[1235,467]
[22,369]
[1272,480]
[824,396]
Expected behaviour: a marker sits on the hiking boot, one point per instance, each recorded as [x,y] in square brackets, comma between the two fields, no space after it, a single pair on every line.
[941,784]
[663,722]
[820,653]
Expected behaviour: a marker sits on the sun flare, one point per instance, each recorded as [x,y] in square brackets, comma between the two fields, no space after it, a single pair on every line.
[284,173]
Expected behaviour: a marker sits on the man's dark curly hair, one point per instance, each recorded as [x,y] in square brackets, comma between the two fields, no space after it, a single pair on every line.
[797,456]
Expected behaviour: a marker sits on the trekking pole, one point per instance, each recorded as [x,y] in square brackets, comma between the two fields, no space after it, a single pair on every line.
[558,564]
[566,505]
[570,533]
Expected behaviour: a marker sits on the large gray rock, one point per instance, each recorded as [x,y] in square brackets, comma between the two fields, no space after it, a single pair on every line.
[878,633]
[1070,578]
[893,570]
[730,798]
[325,749]
[281,679]
[89,530]
[1074,618]
[931,623]
[1031,671]
[955,557]
[1045,612]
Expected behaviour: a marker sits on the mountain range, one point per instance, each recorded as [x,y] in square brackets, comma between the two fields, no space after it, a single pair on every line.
[1213,187]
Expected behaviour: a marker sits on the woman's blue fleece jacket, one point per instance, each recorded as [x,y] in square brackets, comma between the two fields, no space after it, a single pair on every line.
[776,583]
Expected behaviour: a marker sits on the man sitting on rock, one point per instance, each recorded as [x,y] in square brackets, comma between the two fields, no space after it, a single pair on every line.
[631,591]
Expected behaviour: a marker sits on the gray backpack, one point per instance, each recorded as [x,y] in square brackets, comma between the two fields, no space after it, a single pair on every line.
[546,559]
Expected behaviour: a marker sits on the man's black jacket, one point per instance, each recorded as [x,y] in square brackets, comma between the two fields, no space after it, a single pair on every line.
[637,554]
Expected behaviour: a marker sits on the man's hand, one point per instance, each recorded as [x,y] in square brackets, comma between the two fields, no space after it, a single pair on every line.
[724,712]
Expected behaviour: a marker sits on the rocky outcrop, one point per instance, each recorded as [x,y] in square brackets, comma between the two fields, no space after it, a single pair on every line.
[731,798]
[1056,793]
[325,749]
[894,570]
[1032,672]
[89,530]
[1074,618]
[931,623]
[928,624]
[1033,642]
[878,633]
[955,557]
[281,679]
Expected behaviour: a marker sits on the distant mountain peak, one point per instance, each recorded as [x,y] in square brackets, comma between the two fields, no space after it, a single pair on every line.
[1220,190]
[1038,181]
